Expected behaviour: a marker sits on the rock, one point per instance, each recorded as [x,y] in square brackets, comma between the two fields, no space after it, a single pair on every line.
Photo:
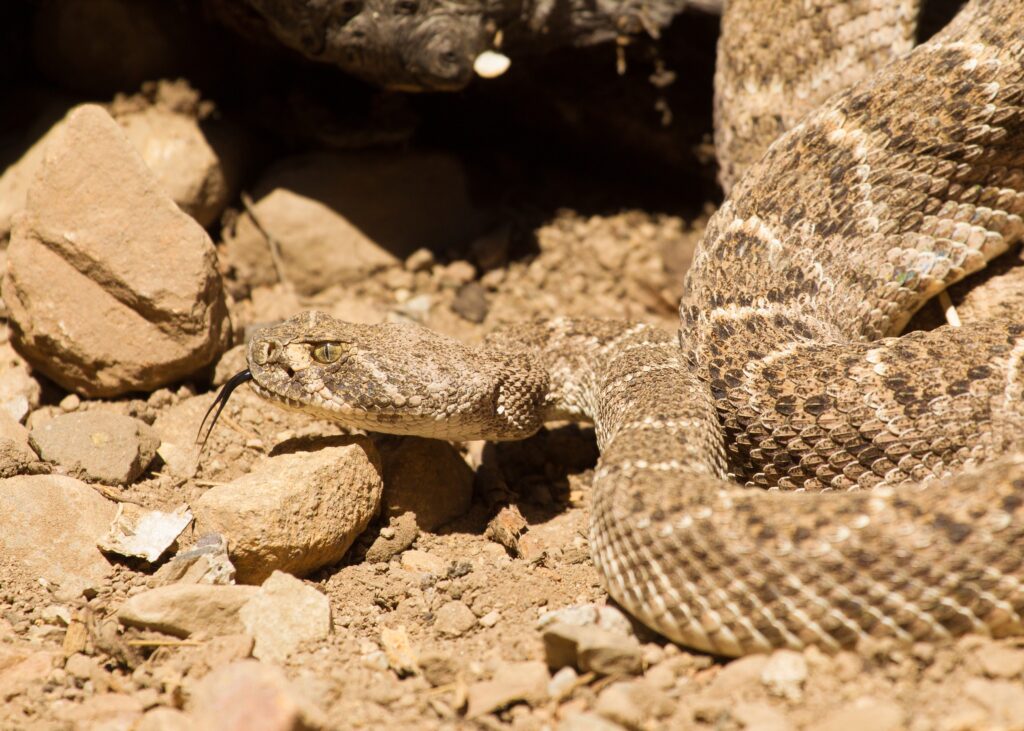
[865,713]
[162,718]
[563,683]
[250,696]
[295,512]
[738,674]
[423,563]
[999,661]
[206,563]
[1003,699]
[20,672]
[398,649]
[587,722]
[183,609]
[50,524]
[144,533]
[15,453]
[97,445]
[426,477]
[401,532]
[784,674]
[633,704]
[129,262]
[513,682]
[333,216]
[103,712]
[470,302]
[440,669]
[454,618]
[19,391]
[591,649]
[283,614]
[181,157]
[172,144]
[600,615]
[177,426]
[761,717]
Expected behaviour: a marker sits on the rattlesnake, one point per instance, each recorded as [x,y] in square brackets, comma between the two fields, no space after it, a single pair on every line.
[784,376]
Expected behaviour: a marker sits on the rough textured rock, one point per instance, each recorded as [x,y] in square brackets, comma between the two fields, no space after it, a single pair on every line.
[97,445]
[454,618]
[128,261]
[250,696]
[513,682]
[283,614]
[15,453]
[36,510]
[295,512]
[104,712]
[633,704]
[592,649]
[333,216]
[426,477]
[188,167]
[183,609]
[19,391]
[19,671]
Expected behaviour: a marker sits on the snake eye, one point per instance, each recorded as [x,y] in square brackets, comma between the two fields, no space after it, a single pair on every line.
[328,352]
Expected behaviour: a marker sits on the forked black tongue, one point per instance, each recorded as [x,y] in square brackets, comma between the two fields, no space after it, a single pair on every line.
[219,403]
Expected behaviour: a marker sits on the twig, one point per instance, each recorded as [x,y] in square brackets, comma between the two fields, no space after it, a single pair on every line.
[272,244]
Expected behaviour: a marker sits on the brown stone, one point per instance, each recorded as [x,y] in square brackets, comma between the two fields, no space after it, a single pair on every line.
[139,302]
[295,512]
[37,510]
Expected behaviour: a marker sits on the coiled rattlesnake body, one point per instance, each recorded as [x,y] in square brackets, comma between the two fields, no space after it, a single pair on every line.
[785,375]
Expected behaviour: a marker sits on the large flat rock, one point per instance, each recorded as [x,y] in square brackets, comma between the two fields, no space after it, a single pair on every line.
[111,287]
[50,524]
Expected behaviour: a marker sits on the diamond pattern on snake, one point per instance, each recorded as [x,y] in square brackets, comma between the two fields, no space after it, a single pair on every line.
[787,470]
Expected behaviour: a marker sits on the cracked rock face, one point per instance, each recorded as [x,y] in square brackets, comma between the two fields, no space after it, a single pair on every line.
[111,287]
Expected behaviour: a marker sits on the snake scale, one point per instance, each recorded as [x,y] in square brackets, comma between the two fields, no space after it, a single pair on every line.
[787,471]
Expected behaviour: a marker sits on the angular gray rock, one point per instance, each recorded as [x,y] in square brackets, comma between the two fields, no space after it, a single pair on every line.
[97,445]
[140,302]
[295,512]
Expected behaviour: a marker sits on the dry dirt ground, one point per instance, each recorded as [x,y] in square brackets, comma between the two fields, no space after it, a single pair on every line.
[442,627]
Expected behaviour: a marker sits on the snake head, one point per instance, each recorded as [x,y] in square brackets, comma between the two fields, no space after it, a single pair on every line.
[394,378]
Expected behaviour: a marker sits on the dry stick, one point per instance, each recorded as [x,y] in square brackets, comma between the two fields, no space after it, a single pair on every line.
[111,494]
[949,309]
[275,249]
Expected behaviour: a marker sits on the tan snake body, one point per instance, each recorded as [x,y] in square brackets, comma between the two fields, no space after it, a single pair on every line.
[784,376]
